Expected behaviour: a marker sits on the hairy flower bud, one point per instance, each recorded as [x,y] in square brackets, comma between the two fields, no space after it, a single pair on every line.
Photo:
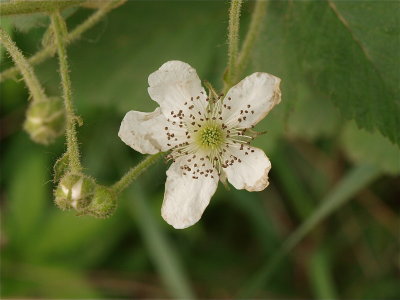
[74,191]
[45,120]
[103,203]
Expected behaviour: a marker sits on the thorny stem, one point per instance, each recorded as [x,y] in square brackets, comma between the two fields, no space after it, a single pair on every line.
[233,40]
[134,172]
[242,59]
[34,86]
[60,30]
[72,36]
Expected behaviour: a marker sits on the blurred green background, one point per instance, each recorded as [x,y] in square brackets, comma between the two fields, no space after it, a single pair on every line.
[338,61]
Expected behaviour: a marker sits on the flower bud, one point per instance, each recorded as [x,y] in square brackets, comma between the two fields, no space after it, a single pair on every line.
[45,120]
[74,191]
[103,203]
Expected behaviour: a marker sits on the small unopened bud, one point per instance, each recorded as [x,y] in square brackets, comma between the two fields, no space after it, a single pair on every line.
[61,167]
[45,120]
[74,191]
[103,203]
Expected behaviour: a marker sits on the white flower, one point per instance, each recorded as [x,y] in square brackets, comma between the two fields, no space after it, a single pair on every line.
[208,136]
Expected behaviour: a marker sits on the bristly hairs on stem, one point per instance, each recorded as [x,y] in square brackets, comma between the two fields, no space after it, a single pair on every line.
[60,31]
[35,89]
[72,36]
[237,62]
[233,40]
[257,18]
[134,172]
[31,7]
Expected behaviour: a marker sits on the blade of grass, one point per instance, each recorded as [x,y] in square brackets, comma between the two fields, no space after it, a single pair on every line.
[320,275]
[251,204]
[355,180]
[299,197]
[159,247]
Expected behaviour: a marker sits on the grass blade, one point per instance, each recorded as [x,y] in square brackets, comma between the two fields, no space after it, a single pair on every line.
[160,249]
[355,180]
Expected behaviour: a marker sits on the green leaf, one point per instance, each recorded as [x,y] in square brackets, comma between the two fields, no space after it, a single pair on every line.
[64,234]
[338,51]
[312,116]
[375,26]
[365,147]
[48,281]
[27,193]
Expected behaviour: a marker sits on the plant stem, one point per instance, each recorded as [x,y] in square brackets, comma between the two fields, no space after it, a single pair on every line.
[353,182]
[257,18]
[30,7]
[60,30]
[33,84]
[238,62]
[233,40]
[72,36]
[134,172]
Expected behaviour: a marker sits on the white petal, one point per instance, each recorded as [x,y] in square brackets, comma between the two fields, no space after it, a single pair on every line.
[145,132]
[186,198]
[249,171]
[257,94]
[175,84]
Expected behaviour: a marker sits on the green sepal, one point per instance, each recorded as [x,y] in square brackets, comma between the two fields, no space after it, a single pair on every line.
[103,203]
[61,167]
[223,179]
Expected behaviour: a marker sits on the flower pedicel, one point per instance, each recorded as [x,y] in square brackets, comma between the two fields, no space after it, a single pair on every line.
[208,136]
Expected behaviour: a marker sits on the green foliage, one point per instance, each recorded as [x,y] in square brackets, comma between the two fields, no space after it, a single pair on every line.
[347,52]
[294,240]
[365,147]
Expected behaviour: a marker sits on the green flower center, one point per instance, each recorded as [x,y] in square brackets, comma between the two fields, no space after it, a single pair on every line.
[211,136]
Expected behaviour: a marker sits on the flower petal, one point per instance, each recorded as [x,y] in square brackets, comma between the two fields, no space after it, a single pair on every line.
[175,84]
[145,132]
[185,197]
[249,101]
[249,171]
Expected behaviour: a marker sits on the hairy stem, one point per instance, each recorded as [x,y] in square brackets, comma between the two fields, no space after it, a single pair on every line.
[60,30]
[233,40]
[50,50]
[30,7]
[33,84]
[134,172]
[257,18]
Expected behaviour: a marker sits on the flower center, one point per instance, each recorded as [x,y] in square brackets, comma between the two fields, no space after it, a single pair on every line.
[211,136]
